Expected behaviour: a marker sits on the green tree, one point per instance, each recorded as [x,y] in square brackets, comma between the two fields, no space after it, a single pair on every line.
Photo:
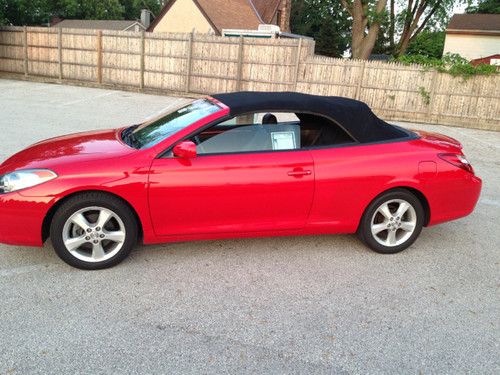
[101,9]
[325,21]
[64,8]
[132,8]
[427,43]
[37,12]
[406,19]
[3,8]
[485,7]
[23,12]
[383,43]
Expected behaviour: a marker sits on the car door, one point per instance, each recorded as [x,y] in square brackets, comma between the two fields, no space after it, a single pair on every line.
[231,192]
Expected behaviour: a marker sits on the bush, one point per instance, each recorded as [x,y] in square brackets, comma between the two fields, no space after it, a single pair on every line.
[427,43]
[450,63]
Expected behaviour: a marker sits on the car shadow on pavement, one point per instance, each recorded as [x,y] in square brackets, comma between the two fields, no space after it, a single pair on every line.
[275,249]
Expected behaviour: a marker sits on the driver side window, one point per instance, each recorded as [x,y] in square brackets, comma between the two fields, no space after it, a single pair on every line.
[251,133]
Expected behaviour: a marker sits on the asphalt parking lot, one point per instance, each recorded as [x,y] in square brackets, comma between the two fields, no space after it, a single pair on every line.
[318,304]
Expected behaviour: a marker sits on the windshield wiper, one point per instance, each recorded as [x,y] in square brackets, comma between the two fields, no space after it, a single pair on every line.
[129,137]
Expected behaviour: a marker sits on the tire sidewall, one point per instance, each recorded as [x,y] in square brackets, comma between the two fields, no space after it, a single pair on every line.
[92,200]
[364,230]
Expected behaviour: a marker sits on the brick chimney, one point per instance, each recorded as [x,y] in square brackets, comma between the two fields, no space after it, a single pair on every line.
[285,10]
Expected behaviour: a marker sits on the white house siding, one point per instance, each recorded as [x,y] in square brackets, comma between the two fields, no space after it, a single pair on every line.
[472,46]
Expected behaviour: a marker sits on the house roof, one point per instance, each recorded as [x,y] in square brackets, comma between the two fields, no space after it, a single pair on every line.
[474,24]
[98,24]
[230,14]
[266,8]
[485,60]
[233,14]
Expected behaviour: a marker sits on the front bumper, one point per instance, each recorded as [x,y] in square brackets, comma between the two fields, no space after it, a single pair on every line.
[21,219]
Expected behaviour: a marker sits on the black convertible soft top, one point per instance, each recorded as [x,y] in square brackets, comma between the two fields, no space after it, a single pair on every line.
[355,117]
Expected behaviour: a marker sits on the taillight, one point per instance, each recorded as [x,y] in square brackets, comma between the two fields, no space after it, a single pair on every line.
[458,160]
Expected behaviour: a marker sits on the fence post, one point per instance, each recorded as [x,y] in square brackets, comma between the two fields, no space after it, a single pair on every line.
[189,62]
[239,74]
[360,81]
[59,51]
[432,93]
[297,65]
[25,45]
[99,56]
[143,51]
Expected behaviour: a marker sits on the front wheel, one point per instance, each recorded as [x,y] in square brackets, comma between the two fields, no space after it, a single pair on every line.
[392,222]
[93,231]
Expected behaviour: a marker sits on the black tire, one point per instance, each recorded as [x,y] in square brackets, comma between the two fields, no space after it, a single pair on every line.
[83,201]
[365,227]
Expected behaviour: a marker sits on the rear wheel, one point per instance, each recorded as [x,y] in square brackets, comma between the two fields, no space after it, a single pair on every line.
[93,231]
[392,222]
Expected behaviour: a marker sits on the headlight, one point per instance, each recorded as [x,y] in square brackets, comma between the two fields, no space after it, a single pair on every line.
[23,179]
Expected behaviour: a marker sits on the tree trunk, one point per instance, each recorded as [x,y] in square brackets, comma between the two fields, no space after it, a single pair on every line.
[364,32]
[362,45]
[392,26]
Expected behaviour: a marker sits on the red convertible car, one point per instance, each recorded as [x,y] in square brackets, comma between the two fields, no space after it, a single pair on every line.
[234,165]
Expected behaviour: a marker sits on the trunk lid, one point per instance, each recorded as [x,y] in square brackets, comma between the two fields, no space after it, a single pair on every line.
[439,139]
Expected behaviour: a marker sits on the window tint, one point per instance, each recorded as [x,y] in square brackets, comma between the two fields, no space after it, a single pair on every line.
[319,131]
[270,132]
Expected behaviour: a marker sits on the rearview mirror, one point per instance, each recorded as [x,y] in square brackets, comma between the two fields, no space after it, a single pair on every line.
[185,149]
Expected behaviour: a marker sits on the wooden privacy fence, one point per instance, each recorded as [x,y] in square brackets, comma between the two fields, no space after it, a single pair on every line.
[203,64]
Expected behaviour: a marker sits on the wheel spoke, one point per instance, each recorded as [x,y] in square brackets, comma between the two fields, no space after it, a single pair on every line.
[384,210]
[377,228]
[407,226]
[104,216]
[98,251]
[403,207]
[391,238]
[74,243]
[81,221]
[118,236]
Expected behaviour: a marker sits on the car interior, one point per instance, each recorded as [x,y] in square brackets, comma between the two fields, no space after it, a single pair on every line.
[270,131]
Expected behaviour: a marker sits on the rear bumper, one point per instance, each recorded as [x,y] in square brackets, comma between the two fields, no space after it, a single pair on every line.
[21,219]
[454,198]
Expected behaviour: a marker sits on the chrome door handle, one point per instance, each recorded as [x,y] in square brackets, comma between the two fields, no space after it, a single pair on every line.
[299,173]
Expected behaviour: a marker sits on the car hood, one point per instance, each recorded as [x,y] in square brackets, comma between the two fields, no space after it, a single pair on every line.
[69,148]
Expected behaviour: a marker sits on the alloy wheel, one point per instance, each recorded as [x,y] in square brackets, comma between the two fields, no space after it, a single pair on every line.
[393,222]
[94,234]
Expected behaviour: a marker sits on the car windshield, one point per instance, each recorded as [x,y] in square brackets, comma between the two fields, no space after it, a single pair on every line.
[154,131]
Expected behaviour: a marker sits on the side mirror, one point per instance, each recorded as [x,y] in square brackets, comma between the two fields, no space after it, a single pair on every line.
[185,150]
